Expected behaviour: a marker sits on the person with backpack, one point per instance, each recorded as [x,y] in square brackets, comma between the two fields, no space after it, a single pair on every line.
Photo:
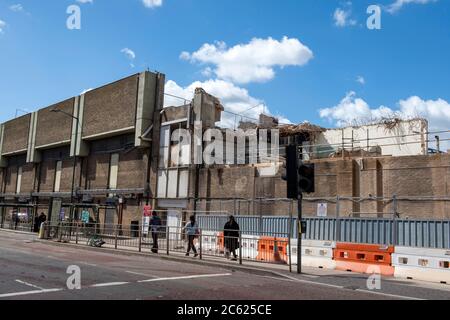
[192,232]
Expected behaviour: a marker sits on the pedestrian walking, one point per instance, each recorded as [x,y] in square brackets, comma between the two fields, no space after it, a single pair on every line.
[231,238]
[155,226]
[38,221]
[192,232]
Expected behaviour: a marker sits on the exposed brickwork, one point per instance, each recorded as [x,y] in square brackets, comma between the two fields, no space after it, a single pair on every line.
[28,176]
[54,127]
[16,134]
[47,178]
[98,171]
[11,179]
[132,170]
[113,106]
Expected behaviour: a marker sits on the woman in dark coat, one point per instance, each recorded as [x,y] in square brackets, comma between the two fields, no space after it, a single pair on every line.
[231,237]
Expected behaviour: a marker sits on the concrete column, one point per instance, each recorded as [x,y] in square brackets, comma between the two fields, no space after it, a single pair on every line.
[81,149]
[33,155]
[3,163]
[147,99]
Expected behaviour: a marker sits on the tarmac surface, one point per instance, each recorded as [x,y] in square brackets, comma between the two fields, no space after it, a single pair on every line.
[31,269]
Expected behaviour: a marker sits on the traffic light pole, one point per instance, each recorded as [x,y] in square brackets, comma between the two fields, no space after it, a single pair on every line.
[299,233]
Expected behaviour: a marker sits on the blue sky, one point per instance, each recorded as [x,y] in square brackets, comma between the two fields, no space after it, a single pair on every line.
[303,64]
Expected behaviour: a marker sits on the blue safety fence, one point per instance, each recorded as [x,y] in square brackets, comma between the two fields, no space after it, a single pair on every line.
[410,233]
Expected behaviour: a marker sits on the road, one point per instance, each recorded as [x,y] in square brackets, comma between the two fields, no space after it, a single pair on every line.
[34,270]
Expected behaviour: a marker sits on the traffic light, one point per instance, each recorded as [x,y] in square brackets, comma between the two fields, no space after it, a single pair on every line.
[306,178]
[299,176]
[291,174]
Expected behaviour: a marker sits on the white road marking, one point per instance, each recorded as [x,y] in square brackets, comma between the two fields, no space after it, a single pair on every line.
[29,284]
[389,295]
[292,279]
[142,274]
[187,277]
[26,293]
[110,284]
[88,264]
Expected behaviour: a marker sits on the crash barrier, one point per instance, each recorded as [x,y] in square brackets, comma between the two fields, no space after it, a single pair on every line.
[364,258]
[422,264]
[272,249]
[214,242]
[315,254]
[210,242]
[249,247]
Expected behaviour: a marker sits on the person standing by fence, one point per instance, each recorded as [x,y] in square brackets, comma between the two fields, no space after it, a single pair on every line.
[155,225]
[231,238]
[192,232]
[38,221]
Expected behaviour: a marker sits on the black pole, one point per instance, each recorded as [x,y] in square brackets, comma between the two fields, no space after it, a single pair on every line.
[74,170]
[299,233]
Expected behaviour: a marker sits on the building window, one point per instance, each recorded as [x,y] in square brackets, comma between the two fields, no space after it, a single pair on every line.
[113,171]
[58,170]
[173,173]
[19,180]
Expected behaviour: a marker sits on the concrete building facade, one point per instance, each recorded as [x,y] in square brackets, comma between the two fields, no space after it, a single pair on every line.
[113,147]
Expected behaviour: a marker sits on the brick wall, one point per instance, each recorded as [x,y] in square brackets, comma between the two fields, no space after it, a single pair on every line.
[111,107]
[47,178]
[16,134]
[97,171]
[54,127]
[28,175]
[11,179]
[132,170]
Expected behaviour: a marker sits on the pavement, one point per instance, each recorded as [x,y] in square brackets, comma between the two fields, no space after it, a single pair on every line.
[33,269]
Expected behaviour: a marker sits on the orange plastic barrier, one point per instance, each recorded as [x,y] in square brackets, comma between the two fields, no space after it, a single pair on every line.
[221,242]
[364,258]
[272,250]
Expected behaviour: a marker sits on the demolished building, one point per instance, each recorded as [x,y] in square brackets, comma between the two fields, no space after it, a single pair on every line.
[110,151]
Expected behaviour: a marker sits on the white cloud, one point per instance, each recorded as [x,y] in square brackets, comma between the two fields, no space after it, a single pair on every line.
[251,62]
[152,3]
[398,4]
[85,1]
[361,80]
[130,55]
[342,16]
[352,109]
[16,7]
[2,26]
[235,99]
[436,111]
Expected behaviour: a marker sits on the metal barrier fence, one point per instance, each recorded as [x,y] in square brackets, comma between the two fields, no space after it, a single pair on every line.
[410,233]
[173,240]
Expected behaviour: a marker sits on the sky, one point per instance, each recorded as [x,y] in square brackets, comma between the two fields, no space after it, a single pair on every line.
[300,60]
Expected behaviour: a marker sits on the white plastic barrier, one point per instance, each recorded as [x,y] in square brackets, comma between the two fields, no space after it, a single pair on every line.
[209,242]
[249,247]
[316,254]
[422,264]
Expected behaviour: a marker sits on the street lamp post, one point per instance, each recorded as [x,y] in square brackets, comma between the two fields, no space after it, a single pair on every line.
[74,157]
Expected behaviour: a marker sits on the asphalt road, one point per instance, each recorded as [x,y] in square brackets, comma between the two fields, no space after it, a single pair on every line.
[31,270]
